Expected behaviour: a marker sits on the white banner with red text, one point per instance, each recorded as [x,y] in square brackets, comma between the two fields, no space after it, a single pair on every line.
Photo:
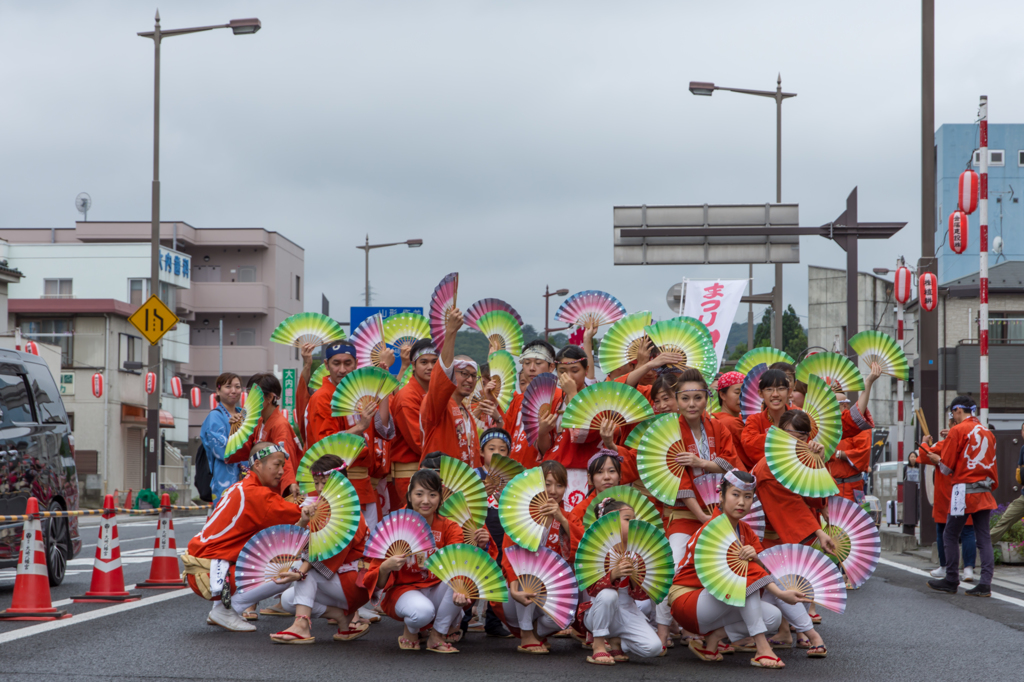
[715,304]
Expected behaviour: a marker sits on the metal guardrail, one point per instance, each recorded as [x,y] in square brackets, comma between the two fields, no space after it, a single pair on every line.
[100,512]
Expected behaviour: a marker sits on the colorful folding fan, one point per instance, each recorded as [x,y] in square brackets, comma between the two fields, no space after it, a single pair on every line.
[538,401]
[344,445]
[622,403]
[590,308]
[302,328]
[750,394]
[680,335]
[620,343]
[755,518]
[550,579]
[502,329]
[241,432]
[707,487]
[361,391]
[503,374]
[836,370]
[457,476]
[469,571]
[645,510]
[441,301]
[368,338]
[268,554]
[646,547]
[826,415]
[456,509]
[405,328]
[633,439]
[404,378]
[714,405]
[501,470]
[794,465]
[335,520]
[716,558]
[874,346]
[657,458]
[809,572]
[519,509]
[489,305]
[401,532]
[858,543]
[316,380]
[763,355]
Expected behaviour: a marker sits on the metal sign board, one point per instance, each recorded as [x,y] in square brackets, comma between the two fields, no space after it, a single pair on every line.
[153,319]
[288,385]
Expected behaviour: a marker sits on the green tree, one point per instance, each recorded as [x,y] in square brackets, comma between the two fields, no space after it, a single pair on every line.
[794,338]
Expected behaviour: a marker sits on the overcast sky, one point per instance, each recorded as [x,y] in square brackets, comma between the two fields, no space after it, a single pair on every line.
[501,133]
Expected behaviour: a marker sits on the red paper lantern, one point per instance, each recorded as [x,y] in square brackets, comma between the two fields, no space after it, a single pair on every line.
[958,231]
[196,396]
[32,348]
[903,287]
[176,386]
[213,401]
[97,385]
[967,196]
[151,382]
[928,291]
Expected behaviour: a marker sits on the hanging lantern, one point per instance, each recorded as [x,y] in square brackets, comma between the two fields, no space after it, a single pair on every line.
[903,287]
[958,231]
[32,347]
[196,396]
[245,394]
[967,197]
[928,291]
[176,386]
[97,385]
[213,401]
[150,383]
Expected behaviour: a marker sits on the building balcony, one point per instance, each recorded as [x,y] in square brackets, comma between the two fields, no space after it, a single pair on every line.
[242,360]
[225,297]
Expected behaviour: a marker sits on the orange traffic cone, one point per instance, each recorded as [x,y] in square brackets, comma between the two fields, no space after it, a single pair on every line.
[32,585]
[163,573]
[107,574]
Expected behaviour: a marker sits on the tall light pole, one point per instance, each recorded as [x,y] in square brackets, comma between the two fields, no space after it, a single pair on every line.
[547,299]
[411,243]
[706,90]
[238,27]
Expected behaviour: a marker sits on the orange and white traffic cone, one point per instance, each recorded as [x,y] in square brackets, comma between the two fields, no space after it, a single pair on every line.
[107,574]
[32,585]
[163,573]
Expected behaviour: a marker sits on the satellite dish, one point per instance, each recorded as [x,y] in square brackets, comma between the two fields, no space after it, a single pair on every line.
[83,202]
[672,298]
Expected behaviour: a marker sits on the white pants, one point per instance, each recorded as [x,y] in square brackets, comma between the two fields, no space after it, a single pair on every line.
[615,614]
[418,607]
[532,618]
[753,618]
[369,515]
[796,614]
[240,601]
[318,590]
[677,541]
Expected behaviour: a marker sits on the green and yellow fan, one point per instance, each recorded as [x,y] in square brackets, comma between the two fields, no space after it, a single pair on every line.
[645,510]
[469,571]
[519,509]
[622,341]
[302,328]
[633,439]
[362,390]
[713,405]
[502,470]
[502,327]
[607,399]
[657,458]
[764,355]
[458,477]
[607,541]
[404,377]
[716,558]
[699,326]
[317,378]
[826,415]
[456,509]
[503,373]
[335,520]
[796,467]
[242,431]
[836,370]
[680,335]
[405,329]
[874,346]
[344,445]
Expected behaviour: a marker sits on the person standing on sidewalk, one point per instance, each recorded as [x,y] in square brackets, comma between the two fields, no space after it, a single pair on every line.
[969,459]
[217,428]
[1015,510]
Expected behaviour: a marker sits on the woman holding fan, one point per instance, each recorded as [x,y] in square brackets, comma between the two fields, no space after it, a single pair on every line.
[604,470]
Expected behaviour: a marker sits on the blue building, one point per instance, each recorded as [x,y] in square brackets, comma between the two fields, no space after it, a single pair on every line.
[956,145]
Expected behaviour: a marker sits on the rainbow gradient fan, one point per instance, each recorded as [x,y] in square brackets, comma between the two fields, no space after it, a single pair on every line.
[241,432]
[500,472]
[646,547]
[645,510]
[657,458]
[368,338]
[549,578]
[538,402]
[489,305]
[858,543]
[826,415]
[501,328]
[268,554]
[335,520]
[344,445]
[405,329]
[809,572]
[316,380]
[622,403]
[361,391]
[443,299]
[590,308]
[714,405]
[404,377]
[874,346]
[755,518]
[455,509]
[716,558]
[836,370]
[401,532]
[519,509]
[622,341]
[679,335]
[707,487]
[765,355]
[503,373]
[469,571]
[750,394]
[302,328]
[794,465]
[457,476]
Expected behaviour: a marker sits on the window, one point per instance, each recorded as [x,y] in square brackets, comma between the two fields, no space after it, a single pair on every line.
[57,288]
[298,288]
[54,331]
[1020,158]
[247,273]
[168,294]
[996,157]
[129,350]
[14,399]
[246,337]
[138,291]
[49,408]
[1006,327]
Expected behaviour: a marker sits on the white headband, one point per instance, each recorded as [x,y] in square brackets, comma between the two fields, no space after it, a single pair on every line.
[537,353]
[461,364]
[426,350]
[737,483]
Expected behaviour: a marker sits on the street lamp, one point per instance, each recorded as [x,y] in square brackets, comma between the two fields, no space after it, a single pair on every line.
[238,27]
[411,243]
[547,298]
[704,89]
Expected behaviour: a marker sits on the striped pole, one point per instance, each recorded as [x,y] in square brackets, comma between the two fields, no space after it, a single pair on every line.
[899,383]
[983,252]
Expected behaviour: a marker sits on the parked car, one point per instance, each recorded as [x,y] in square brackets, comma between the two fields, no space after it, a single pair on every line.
[37,459]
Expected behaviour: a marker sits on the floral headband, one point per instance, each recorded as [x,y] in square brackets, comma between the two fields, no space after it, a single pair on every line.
[324,474]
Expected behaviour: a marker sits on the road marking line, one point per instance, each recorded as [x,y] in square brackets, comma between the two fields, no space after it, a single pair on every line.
[89,615]
[925,574]
[65,602]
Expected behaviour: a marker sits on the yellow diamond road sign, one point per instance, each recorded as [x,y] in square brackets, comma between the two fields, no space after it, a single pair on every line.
[153,319]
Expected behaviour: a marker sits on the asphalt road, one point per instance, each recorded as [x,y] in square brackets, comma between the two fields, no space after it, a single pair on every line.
[895,628]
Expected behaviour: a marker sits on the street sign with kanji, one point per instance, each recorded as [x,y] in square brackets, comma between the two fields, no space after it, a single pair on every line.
[153,319]
[288,384]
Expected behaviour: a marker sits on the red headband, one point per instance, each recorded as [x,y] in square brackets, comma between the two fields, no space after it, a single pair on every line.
[730,379]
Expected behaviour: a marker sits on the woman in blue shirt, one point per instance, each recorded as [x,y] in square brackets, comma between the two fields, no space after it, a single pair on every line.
[217,428]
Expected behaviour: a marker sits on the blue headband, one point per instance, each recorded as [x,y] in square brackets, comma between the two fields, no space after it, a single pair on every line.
[338,348]
[491,435]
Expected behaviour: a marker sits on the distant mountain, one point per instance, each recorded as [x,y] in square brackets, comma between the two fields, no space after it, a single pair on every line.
[737,335]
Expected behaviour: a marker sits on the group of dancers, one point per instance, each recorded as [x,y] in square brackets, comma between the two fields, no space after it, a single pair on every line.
[451,408]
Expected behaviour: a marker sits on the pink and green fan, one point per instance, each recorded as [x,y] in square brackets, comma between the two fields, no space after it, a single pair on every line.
[680,335]
[622,341]
[633,439]
[503,374]
[858,543]
[646,547]
[750,394]
[809,572]
[316,380]
[368,338]
[269,554]
[362,390]
[622,403]
[344,445]
[335,519]
[489,305]
[445,295]
[457,510]
[826,415]
[401,532]
[457,476]
[538,402]
[549,578]
[519,509]
[502,329]
[795,466]
[716,558]
[755,518]
[707,487]
[874,346]
[838,371]
[502,470]
[241,432]
[302,328]
[590,308]
[657,458]
[645,510]
[469,571]
[764,355]
[405,329]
